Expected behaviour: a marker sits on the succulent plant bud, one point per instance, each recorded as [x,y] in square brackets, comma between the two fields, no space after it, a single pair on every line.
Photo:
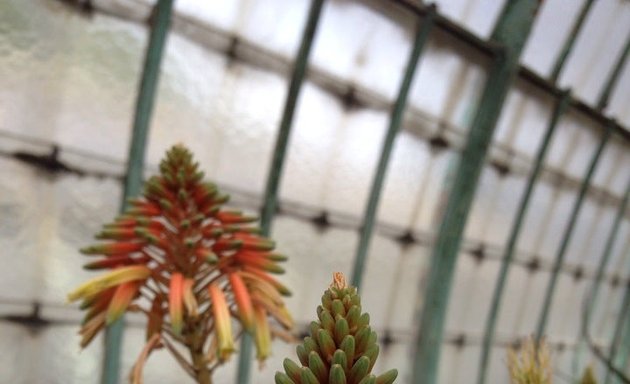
[341,347]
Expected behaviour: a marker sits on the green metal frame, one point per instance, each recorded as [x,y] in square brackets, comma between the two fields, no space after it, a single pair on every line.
[506,262]
[599,277]
[566,238]
[511,33]
[507,42]
[613,79]
[396,119]
[570,42]
[135,162]
[279,156]
[620,345]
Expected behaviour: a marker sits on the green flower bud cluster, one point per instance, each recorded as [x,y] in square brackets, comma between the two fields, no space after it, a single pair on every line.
[341,348]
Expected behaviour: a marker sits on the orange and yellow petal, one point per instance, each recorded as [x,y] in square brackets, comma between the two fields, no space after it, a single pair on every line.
[190,302]
[222,322]
[243,301]
[263,334]
[124,294]
[117,276]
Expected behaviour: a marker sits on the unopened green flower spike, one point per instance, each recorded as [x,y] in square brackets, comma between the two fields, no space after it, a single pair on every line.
[341,347]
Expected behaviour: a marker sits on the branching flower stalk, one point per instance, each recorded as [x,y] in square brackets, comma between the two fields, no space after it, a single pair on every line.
[531,364]
[191,266]
[341,348]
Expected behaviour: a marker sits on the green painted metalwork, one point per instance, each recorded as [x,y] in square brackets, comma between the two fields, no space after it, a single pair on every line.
[566,238]
[570,42]
[511,33]
[279,155]
[506,262]
[612,81]
[601,269]
[395,123]
[135,162]
[620,345]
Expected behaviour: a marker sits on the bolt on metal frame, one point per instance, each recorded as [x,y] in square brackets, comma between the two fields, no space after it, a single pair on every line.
[507,41]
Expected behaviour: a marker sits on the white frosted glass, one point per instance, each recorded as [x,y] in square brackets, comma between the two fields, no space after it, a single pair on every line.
[497,367]
[19,228]
[78,209]
[620,256]
[79,63]
[531,297]
[505,206]
[478,15]
[436,183]
[223,14]
[458,365]
[549,34]
[362,46]
[536,219]
[406,302]
[354,161]
[471,294]
[406,173]
[514,298]
[605,311]
[313,257]
[557,224]
[379,279]
[523,120]
[455,78]
[566,307]
[315,140]
[483,205]
[620,98]
[584,234]
[234,135]
[275,24]
[47,356]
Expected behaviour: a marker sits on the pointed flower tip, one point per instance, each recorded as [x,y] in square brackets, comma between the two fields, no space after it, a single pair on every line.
[339,281]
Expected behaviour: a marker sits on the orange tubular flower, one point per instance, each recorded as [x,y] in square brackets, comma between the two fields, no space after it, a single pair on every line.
[178,256]
[175,300]
[222,323]
[243,301]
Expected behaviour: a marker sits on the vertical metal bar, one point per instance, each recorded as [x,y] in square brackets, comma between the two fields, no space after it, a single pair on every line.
[511,32]
[506,262]
[601,269]
[395,122]
[570,41]
[568,232]
[610,84]
[279,155]
[623,321]
[135,163]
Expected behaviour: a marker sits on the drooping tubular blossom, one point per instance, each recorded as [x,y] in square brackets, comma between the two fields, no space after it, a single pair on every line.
[341,348]
[189,264]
